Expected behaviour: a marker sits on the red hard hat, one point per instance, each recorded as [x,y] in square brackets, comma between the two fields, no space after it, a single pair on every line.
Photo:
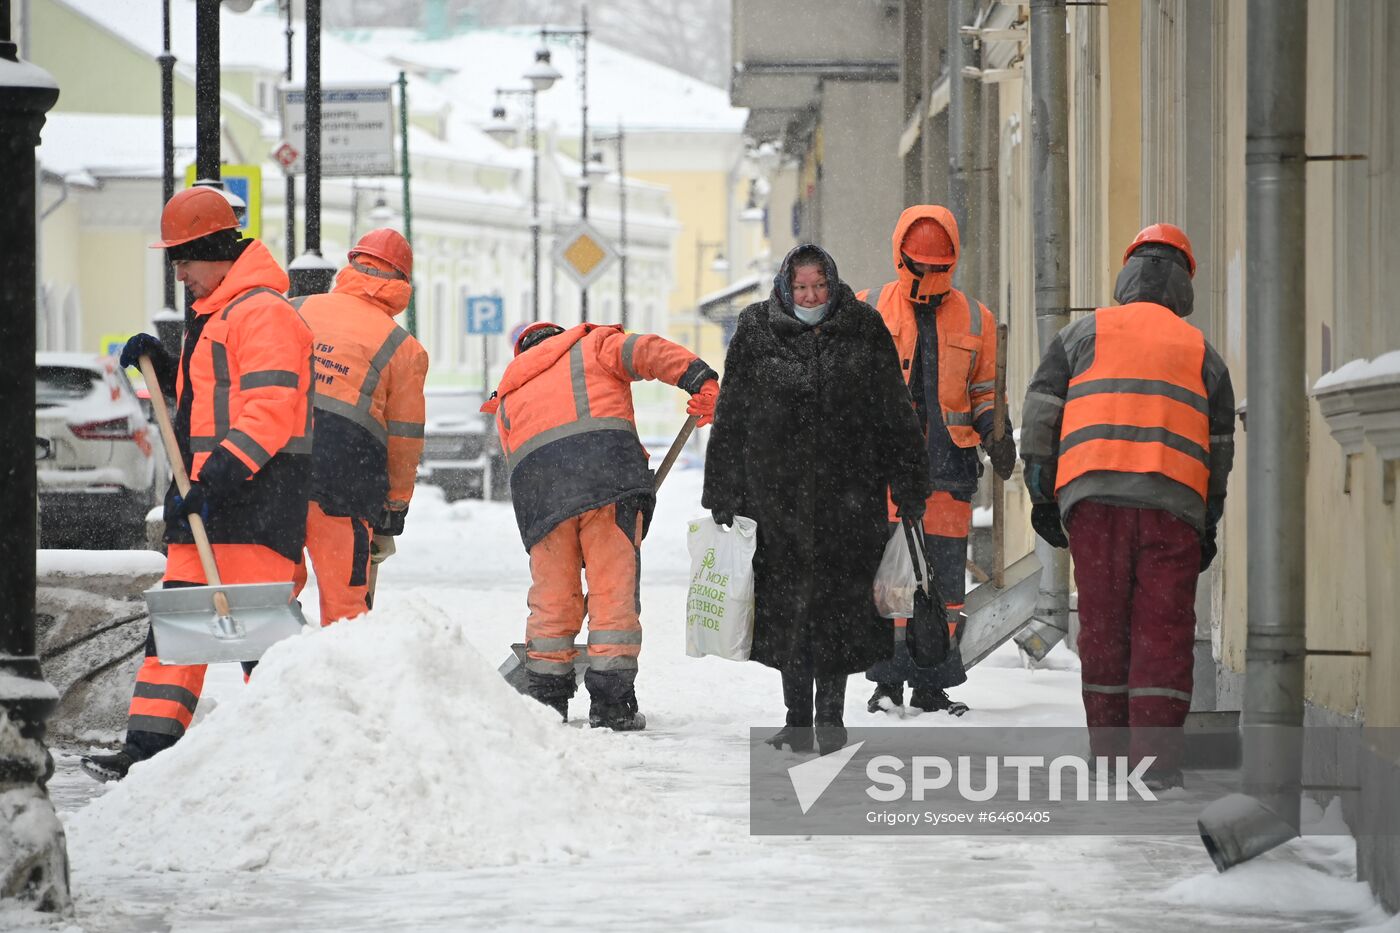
[388,245]
[535,328]
[194,213]
[1168,234]
[928,242]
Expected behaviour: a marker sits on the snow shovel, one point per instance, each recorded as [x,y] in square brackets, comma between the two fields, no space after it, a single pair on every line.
[214,623]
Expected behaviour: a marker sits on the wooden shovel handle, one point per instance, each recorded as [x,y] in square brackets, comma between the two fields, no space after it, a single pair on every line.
[182,481]
[998,488]
[675,450]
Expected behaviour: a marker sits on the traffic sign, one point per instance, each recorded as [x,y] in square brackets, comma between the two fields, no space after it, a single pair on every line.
[485,314]
[286,156]
[357,129]
[245,181]
[583,253]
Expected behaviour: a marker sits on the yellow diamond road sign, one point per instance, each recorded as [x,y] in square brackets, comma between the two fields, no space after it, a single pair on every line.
[583,253]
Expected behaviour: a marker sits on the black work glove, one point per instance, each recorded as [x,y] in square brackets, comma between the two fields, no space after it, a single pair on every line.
[218,480]
[722,517]
[1045,519]
[1208,548]
[145,345]
[1002,453]
[911,511]
[194,502]
[390,522]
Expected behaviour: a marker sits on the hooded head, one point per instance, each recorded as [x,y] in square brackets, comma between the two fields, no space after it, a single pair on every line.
[806,302]
[926,249]
[1158,267]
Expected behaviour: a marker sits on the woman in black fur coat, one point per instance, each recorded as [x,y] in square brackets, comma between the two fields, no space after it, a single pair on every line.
[813,424]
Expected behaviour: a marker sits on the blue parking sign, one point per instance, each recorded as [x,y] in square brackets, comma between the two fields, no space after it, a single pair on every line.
[485,314]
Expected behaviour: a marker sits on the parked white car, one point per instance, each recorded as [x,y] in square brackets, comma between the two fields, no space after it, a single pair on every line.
[105,468]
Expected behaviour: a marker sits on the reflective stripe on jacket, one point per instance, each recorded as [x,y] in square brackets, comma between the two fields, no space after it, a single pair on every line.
[369,395]
[564,414]
[244,384]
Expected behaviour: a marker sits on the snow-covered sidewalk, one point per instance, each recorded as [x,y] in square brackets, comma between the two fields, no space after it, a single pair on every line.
[380,775]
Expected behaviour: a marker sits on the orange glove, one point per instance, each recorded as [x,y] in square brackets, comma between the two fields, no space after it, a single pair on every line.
[702,403]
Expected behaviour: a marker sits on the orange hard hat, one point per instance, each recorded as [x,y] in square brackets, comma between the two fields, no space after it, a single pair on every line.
[928,242]
[194,213]
[536,332]
[1167,234]
[388,245]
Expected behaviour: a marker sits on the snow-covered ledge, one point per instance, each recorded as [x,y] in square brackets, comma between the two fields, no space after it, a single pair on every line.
[1333,394]
[1365,396]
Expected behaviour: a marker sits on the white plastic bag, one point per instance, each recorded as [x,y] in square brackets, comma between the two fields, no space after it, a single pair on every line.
[895,582]
[719,604]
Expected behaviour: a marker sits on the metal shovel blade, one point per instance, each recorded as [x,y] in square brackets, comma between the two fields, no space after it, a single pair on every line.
[188,630]
[994,615]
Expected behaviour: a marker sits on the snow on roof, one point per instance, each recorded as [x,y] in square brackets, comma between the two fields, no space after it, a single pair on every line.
[621,86]
[104,144]
[256,40]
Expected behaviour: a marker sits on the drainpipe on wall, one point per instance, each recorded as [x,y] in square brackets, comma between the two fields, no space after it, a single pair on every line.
[1238,827]
[964,117]
[1050,212]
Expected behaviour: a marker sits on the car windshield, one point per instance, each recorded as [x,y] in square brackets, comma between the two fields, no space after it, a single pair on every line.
[64,383]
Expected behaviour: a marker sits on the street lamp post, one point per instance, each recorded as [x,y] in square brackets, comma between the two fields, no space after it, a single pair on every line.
[311,273]
[620,139]
[33,853]
[291,195]
[542,75]
[720,264]
[499,113]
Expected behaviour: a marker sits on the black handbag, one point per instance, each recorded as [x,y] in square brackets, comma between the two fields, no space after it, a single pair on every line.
[926,634]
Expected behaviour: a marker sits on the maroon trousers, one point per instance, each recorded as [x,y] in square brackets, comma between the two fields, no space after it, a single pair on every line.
[1136,571]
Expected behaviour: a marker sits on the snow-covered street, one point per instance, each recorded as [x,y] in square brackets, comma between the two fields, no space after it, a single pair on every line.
[380,775]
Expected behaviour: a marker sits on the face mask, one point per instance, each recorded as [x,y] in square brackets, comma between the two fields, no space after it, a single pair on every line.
[810,316]
[931,283]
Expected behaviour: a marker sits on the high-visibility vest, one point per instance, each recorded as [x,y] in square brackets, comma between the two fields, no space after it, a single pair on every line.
[1141,406]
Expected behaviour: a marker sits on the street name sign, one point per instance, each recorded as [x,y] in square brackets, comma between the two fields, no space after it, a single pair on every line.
[357,129]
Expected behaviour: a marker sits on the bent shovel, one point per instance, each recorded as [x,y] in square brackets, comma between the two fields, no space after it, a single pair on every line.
[214,623]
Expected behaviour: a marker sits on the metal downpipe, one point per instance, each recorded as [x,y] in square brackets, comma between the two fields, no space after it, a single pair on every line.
[1050,212]
[964,115]
[1241,826]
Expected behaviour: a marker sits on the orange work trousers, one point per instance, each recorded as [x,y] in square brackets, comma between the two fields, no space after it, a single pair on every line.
[339,549]
[595,544]
[164,699]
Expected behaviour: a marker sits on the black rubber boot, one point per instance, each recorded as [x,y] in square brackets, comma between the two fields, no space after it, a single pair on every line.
[885,698]
[613,701]
[553,690]
[106,768]
[797,696]
[830,710]
[931,699]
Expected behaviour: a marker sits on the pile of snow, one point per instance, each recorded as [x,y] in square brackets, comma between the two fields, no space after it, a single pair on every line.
[379,746]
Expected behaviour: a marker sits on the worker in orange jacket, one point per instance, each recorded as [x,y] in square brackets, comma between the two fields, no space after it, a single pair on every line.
[583,499]
[242,390]
[1129,441]
[369,421]
[947,347]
